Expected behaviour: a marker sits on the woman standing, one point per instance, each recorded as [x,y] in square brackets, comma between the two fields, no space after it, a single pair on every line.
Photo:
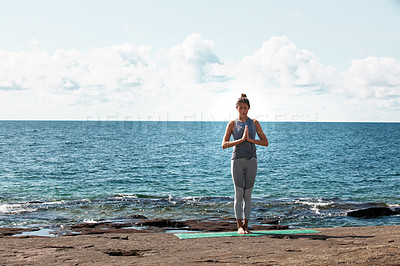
[244,159]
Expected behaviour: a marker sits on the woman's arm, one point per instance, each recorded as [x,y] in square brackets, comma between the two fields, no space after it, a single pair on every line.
[263,141]
[228,132]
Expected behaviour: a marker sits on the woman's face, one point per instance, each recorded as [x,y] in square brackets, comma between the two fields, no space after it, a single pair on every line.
[243,109]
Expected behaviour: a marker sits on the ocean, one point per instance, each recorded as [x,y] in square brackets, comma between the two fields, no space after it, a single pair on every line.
[62,172]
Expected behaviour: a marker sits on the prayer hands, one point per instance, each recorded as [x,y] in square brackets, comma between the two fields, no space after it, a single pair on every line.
[246,134]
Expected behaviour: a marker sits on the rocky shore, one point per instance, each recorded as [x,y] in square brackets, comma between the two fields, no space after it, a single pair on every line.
[142,225]
[150,242]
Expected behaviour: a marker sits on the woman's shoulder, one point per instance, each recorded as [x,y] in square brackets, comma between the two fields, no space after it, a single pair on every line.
[230,126]
[257,125]
[255,121]
[231,123]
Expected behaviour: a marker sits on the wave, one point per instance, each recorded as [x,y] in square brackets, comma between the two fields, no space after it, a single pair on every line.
[36,205]
[16,208]
[136,196]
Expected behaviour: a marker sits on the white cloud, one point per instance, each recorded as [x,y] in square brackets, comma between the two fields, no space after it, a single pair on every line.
[190,78]
[187,62]
[373,77]
[98,75]
[280,62]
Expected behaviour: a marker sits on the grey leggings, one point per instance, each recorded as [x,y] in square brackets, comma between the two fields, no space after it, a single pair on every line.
[243,174]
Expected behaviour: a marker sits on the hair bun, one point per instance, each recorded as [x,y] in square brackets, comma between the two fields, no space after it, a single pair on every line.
[243,99]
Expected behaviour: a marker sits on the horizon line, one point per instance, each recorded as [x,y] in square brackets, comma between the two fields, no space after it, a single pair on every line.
[263,121]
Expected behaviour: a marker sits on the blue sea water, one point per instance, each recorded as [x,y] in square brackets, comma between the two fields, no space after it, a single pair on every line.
[60,172]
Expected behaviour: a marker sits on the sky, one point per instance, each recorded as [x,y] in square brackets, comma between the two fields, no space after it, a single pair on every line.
[310,60]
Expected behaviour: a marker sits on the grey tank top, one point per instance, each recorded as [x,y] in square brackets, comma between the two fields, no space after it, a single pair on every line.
[244,149]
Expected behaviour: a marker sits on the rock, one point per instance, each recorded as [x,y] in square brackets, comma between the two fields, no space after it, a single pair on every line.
[156,225]
[268,227]
[119,225]
[101,228]
[372,212]
[99,231]
[120,252]
[274,221]
[137,216]
[396,210]
[230,225]
[100,225]
[211,226]
[6,231]
[162,223]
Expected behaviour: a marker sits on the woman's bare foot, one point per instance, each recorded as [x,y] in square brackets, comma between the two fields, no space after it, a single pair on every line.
[246,226]
[241,231]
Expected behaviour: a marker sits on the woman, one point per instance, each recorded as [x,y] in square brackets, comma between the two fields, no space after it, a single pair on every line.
[244,159]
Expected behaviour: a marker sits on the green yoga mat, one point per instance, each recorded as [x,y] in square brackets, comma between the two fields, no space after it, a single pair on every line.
[253,233]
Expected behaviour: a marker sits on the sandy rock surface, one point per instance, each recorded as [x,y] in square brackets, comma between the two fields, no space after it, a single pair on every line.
[332,246]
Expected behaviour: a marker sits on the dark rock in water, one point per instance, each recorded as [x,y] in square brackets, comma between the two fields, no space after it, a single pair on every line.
[120,225]
[137,216]
[86,225]
[162,223]
[396,210]
[274,221]
[372,212]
